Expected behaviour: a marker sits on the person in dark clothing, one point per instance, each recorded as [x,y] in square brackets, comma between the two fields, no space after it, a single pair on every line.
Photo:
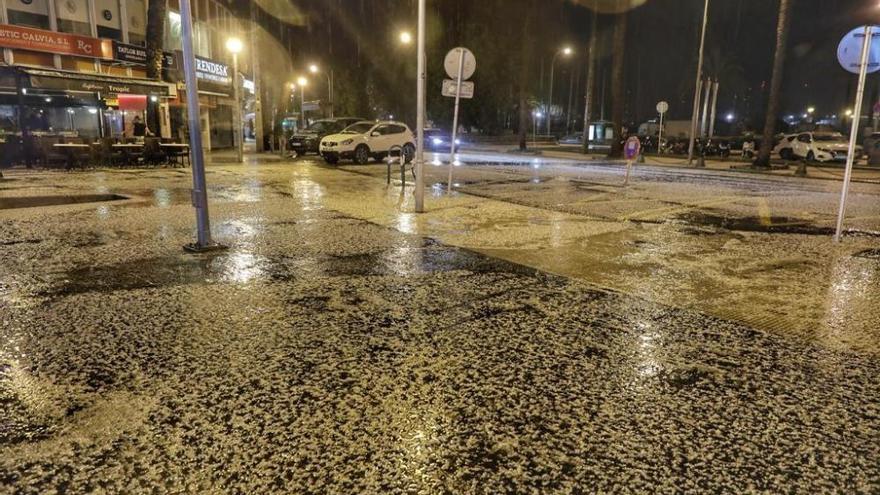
[139,128]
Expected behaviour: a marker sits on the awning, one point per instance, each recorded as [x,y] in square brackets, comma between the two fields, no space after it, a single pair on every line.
[63,80]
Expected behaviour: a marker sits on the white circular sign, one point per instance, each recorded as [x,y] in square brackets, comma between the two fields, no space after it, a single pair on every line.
[662,107]
[453,59]
[849,52]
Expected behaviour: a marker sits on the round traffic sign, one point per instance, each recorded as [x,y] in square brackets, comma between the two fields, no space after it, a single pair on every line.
[453,60]
[632,148]
[849,52]
[662,107]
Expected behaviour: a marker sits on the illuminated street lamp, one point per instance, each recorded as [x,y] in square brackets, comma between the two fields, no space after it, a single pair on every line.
[567,51]
[406,37]
[234,46]
[811,110]
[314,69]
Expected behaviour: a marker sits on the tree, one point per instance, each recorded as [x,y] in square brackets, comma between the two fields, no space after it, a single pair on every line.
[773,101]
[618,90]
[524,75]
[156,13]
[591,80]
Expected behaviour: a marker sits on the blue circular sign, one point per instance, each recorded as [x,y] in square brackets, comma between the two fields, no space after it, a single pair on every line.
[849,52]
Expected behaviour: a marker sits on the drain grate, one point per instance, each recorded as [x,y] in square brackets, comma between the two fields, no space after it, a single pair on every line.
[36,201]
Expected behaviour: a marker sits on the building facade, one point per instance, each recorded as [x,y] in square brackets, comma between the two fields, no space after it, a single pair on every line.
[77,68]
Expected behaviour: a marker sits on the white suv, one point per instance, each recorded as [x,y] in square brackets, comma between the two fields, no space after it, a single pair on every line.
[367,139]
[822,146]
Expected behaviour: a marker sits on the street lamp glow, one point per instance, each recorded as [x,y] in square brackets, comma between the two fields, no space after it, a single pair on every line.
[302,81]
[849,113]
[730,117]
[567,50]
[313,69]
[293,86]
[234,45]
[405,37]
[811,110]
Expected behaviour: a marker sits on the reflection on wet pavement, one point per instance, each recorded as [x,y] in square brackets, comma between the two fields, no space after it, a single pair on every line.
[344,344]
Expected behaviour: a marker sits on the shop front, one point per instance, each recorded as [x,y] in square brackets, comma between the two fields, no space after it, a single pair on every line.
[75,104]
[216,104]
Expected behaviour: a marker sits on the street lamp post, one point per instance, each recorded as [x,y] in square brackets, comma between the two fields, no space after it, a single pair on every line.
[314,69]
[421,80]
[204,242]
[234,45]
[698,87]
[303,82]
[564,51]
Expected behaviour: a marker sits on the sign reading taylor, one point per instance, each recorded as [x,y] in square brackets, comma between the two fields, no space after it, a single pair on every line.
[48,41]
[136,54]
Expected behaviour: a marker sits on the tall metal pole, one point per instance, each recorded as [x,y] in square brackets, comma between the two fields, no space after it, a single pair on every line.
[420,112]
[854,133]
[714,112]
[330,84]
[199,192]
[699,78]
[461,53]
[302,104]
[705,122]
[550,92]
[258,98]
[660,136]
[236,117]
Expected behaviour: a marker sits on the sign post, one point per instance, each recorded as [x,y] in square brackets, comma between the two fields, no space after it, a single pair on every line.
[631,151]
[421,80]
[858,38]
[460,64]
[662,108]
[204,242]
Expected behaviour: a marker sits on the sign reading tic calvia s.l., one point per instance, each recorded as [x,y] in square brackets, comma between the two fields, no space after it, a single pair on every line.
[49,41]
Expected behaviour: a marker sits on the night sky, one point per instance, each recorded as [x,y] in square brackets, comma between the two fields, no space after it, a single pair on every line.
[663,39]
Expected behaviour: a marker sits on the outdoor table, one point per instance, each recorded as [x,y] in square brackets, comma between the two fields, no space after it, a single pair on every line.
[175,147]
[70,150]
[127,148]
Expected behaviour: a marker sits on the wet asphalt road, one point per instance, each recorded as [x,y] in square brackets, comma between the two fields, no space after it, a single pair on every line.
[331,351]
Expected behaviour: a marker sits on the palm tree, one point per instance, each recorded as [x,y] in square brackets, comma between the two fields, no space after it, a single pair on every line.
[156,13]
[773,101]
[591,80]
[524,73]
[618,94]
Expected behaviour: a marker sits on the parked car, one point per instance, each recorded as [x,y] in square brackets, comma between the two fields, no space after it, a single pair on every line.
[871,142]
[440,140]
[309,139]
[822,146]
[784,148]
[572,139]
[367,139]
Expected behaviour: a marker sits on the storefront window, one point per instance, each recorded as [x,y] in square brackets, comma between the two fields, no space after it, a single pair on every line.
[31,13]
[173,32]
[8,119]
[137,22]
[108,19]
[73,16]
[202,39]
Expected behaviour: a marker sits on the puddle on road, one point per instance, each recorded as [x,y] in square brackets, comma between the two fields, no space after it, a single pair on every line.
[242,267]
[35,201]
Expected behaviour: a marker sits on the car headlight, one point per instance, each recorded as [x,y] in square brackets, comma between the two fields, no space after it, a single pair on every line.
[347,142]
[437,141]
[458,141]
